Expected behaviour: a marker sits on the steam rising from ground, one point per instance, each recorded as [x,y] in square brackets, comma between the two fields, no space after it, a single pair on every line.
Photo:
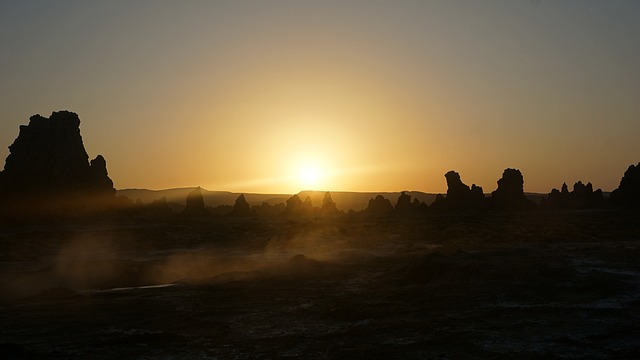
[85,261]
[99,261]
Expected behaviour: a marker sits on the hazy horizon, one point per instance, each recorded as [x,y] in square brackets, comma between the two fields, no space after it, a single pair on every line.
[363,96]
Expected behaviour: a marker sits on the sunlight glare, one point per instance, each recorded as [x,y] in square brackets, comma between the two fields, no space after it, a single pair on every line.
[309,176]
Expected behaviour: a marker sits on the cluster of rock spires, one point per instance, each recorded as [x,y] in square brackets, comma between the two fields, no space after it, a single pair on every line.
[582,197]
[48,167]
[508,196]
[296,207]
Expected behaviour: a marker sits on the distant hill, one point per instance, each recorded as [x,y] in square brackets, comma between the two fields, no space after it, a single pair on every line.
[344,200]
[211,198]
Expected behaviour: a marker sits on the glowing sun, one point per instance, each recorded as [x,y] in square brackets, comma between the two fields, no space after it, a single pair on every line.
[310,176]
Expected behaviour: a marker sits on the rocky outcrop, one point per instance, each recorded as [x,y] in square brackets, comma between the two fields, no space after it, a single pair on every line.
[328,206]
[293,207]
[379,206]
[459,195]
[457,191]
[241,207]
[48,158]
[510,192]
[582,197]
[195,204]
[307,206]
[404,205]
[628,192]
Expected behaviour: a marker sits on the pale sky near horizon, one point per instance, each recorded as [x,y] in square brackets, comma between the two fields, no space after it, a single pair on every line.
[284,96]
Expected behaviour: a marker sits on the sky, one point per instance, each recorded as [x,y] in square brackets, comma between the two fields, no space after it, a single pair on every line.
[284,96]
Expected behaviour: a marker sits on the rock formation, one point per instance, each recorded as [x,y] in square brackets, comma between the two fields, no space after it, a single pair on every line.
[510,192]
[307,206]
[48,158]
[459,195]
[457,191]
[195,204]
[582,197]
[404,205]
[379,206]
[328,206]
[293,207]
[628,192]
[241,207]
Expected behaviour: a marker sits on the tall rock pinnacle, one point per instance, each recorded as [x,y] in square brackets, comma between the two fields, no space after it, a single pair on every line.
[48,158]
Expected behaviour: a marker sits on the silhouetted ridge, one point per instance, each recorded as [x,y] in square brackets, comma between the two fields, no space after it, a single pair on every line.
[628,192]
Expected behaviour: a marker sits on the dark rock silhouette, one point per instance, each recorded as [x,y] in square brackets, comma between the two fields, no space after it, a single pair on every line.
[510,192]
[582,197]
[307,206]
[628,192]
[48,158]
[456,190]
[419,205]
[293,207]
[100,181]
[405,207]
[379,206]
[195,204]
[459,195]
[241,207]
[328,206]
[558,199]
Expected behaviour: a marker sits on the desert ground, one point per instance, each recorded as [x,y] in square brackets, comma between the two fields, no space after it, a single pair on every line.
[555,284]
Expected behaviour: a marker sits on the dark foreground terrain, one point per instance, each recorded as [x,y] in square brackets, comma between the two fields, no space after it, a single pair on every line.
[535,285]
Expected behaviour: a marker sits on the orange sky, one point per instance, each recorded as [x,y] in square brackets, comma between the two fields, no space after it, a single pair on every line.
[283,96]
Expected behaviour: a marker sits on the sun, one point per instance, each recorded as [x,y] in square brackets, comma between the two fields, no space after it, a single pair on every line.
[309,176]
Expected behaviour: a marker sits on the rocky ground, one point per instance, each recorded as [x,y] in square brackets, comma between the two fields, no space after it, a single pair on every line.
[529,285]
